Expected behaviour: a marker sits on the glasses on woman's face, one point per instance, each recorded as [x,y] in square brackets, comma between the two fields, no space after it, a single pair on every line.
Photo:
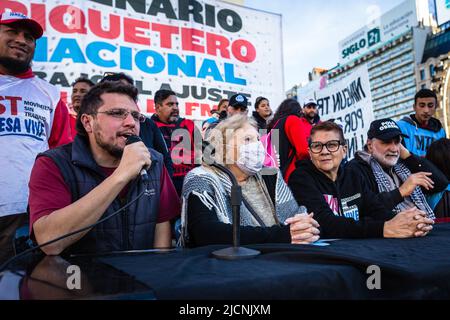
[123,114]
[332,146]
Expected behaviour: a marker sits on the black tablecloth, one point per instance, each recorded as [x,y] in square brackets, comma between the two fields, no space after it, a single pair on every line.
[410,268]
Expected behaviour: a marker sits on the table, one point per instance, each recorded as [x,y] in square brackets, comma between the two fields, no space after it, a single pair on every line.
[416,268]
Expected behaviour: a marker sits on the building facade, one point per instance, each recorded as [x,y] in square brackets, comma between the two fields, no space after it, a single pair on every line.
[434,71]
[391,72]
[392,46]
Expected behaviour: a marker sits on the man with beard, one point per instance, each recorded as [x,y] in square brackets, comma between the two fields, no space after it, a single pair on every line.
[76,185]
[150,134]
[398,178]
[421,128]
[180,135]
[80,87]
[310,112]
[32,119]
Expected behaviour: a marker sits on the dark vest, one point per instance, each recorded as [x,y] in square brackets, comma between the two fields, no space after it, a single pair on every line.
[134,228]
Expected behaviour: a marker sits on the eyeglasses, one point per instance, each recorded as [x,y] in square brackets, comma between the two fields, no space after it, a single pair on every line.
[123,114]
[332,146]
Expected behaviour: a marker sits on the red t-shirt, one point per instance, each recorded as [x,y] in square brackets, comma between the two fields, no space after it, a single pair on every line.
[49,192]
[61,132]
[73,125]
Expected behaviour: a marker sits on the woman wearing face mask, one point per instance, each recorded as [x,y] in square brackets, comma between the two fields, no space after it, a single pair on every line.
[269,213]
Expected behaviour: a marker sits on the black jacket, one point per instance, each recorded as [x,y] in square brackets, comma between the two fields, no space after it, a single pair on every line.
[434,124]
[344,209]
[152,138]
[262,123]
[391,199]
[134,228]
[442,209]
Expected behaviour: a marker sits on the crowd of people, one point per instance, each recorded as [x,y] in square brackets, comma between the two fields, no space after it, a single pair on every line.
[126,181]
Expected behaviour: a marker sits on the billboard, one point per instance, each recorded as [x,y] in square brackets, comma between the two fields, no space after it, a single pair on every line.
[379,31]
[443,11]
[204,50]
[347,101]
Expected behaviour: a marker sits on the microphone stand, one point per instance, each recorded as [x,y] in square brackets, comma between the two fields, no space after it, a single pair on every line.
[236,252]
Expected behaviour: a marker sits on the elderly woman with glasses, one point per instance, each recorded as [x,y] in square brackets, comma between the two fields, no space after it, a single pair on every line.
[343,204]
[269,213]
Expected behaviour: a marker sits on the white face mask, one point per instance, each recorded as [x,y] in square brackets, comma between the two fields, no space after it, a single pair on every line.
[251,157]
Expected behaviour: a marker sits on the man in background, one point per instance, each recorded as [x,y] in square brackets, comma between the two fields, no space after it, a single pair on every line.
[80,87]
[421,128]
[33,119]
[398,178]
[180,135]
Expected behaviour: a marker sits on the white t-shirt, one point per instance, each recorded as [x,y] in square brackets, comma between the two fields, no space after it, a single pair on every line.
[32,119]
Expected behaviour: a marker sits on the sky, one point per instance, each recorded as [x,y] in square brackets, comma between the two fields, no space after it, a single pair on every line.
[313,28]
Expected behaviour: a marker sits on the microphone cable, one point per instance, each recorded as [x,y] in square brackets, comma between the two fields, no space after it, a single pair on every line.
[23,253]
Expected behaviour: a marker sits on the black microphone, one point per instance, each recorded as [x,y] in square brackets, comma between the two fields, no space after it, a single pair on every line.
[236,251]
[144,177]
[132,139]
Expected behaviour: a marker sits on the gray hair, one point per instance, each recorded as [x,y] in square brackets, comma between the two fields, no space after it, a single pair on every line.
[223,133]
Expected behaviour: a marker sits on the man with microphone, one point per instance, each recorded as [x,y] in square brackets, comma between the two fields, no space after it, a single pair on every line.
[78,184]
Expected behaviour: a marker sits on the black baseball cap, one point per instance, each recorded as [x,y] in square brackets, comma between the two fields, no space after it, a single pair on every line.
[238,101]
[384,129]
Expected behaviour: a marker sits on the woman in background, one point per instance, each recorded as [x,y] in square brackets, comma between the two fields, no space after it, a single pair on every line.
[262,112]
[293,135]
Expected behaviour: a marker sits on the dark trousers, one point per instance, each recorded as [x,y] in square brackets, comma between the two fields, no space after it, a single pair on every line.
[8,227]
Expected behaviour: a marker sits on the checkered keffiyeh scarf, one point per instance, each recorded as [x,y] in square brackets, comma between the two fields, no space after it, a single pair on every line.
[213,188]
[403,173]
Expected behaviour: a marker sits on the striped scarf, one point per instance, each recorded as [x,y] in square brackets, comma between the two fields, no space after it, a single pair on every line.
[213,188]
[403,173]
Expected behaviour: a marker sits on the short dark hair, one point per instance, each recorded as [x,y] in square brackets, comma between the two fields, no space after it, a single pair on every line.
[328,126]
[425,93]
[92,100]
[162,95]
[83,79]
[438,153]
[259,100]
[110,76]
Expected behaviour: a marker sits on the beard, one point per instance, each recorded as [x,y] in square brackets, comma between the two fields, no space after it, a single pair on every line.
[385,161]
[15,66]
[114,151]
[174,118]
[310,116]
[76,108]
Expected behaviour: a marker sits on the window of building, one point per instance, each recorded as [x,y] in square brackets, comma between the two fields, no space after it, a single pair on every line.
[432,71]
[422,74]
